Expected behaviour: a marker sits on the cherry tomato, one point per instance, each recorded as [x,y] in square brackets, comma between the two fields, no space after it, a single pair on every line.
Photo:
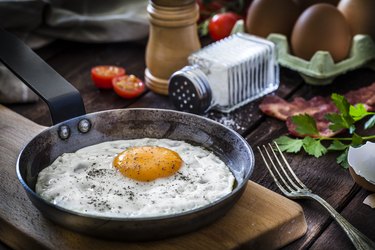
[128,86]
[102,76]
[222,24]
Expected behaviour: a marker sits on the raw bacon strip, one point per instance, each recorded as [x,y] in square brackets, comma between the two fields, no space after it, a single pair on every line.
[281,109]
[364,95]
[277,107]
[317,107]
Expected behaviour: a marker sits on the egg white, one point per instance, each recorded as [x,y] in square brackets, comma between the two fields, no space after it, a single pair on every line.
[88,183]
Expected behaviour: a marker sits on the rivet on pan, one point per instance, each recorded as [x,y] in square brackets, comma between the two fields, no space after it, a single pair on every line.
[84,126]
[64,132]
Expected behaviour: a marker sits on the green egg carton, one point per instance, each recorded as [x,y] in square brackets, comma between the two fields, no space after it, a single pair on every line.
[321,69]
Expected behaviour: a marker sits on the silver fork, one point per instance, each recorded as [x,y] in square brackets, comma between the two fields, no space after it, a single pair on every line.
[292,187]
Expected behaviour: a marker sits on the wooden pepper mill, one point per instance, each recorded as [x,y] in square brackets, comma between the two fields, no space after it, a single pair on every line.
[173,37]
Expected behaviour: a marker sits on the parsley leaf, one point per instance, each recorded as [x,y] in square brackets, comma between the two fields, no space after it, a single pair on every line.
[341,103]
[288,144]
[305,124]
[351,129]
[203,27]
[313,147]
[370,123]
[338,145]
[357,140]
[342,159]
[342,120]
[346,118]
[338,122]
[358,112]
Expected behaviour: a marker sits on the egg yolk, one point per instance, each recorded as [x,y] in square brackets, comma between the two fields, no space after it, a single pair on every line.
[147,163]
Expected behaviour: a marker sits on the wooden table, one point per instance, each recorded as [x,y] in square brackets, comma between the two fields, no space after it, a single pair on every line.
[74,60]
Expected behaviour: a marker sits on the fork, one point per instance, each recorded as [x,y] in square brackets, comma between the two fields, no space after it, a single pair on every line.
[292,187]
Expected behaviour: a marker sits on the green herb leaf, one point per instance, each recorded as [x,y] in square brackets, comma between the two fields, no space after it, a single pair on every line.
[346,118]
[203,27]
[313,147]
[358,112]
[370,123]
[339,121]
[351,129]
[305,124]
[342,159]
[338,145]
[356,140]
[288,144]
[341,103]
[343,120]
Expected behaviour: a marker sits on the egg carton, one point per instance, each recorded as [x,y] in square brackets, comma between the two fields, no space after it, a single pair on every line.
[321,69]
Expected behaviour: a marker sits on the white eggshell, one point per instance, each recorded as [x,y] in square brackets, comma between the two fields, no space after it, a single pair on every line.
[362,160]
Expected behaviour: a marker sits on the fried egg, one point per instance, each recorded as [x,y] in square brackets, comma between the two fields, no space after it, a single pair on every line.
[135,178]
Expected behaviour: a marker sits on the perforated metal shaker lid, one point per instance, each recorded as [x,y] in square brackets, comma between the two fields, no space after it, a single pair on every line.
[189,90]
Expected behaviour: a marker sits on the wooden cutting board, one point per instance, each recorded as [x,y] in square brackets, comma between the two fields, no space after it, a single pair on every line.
[261,219]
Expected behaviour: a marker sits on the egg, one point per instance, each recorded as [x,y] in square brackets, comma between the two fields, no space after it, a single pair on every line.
[135,178]
[362,165]
[321,27]
[304,4]
[360,16]
[270,16]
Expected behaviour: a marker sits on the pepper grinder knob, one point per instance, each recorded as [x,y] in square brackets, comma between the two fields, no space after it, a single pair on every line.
[173,37]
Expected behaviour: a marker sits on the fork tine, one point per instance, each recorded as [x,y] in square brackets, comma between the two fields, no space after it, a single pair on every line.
[289,168]
[270,170]
[283,168]
[286,184]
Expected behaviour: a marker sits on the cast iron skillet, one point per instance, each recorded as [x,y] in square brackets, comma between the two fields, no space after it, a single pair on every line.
[73,129]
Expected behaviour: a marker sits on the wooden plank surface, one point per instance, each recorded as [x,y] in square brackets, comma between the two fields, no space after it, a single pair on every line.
[355,211]
[260,219]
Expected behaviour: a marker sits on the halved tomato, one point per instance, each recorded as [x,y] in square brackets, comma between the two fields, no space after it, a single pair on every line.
[103,75]
[128,86]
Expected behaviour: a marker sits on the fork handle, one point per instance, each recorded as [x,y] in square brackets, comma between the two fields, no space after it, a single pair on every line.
[359,240]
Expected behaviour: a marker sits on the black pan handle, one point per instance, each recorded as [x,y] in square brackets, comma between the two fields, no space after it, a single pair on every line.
[63,100]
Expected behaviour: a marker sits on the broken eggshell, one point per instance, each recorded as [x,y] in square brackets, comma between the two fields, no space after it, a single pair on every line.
[362,165]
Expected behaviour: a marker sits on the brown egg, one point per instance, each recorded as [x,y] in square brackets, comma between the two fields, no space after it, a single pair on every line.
[304,4]
[271,16]
[321,27]
[360,14]
[361,181]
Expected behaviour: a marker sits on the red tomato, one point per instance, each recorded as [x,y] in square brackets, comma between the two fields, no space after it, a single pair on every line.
[128,86]
[222,24]
[102,76]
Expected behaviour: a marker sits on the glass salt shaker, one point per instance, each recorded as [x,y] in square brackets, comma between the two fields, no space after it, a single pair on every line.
[226,75]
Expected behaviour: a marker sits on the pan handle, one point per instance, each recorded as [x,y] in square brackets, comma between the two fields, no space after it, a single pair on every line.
[63,100]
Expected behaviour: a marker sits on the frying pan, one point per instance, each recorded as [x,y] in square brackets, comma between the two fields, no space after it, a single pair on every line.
[73,129]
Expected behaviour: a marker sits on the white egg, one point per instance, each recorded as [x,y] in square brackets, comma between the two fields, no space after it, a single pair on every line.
[87,182]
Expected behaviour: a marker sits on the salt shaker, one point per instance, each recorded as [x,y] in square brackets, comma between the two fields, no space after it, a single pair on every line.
[226,75]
